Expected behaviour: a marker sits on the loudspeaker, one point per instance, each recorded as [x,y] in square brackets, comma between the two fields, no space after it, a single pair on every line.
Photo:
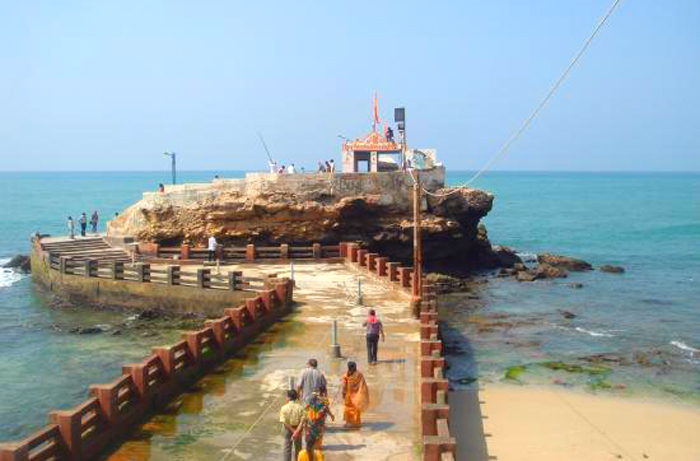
[400,114]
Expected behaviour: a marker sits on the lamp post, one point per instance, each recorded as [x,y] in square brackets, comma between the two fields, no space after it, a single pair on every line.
[172,156]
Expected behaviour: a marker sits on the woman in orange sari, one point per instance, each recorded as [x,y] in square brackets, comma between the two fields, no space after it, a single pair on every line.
[355,394]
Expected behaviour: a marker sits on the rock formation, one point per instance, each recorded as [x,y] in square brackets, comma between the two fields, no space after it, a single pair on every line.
[349,209]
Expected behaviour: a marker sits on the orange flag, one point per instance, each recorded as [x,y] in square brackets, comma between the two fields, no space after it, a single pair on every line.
[376,118]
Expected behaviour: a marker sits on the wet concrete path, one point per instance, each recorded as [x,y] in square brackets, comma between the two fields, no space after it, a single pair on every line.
[216,420]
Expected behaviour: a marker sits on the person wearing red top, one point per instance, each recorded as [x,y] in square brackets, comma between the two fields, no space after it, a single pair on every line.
[374,329]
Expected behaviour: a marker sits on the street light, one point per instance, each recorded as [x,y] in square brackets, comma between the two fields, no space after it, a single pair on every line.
[172,158]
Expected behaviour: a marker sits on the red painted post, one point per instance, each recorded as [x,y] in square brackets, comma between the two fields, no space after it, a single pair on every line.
[184,251]
[139,375]
[352,252]
[194,344]
[250,253]
[69,426]
[106,394]
[381,266]
[250,305]
[370,259]
[236,316]
[14,452]
[217,326]
[361,258]
[405,276]
[393,271]
[343,249]
[167,357]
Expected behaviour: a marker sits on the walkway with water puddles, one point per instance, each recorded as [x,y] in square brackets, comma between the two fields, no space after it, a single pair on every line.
[216,419]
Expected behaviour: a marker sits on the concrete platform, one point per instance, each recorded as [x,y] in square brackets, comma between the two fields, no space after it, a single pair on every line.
[233,414]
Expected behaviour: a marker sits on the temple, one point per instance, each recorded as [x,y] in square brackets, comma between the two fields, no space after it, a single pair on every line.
[380,151]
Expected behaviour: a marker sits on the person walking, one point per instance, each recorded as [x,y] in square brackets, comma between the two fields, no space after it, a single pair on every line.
[356,396]
[374,329]
[291,169]
[321,168]
[291,417]
[211,248]
[332,164]
[311,381]
[71,227]
[93,221]
[328,167]
[83,224]
[314,425]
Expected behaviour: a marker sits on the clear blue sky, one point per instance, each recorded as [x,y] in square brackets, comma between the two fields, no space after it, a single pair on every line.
[110,85]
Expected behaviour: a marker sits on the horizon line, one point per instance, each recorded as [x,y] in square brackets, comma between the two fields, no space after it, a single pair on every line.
[265,171]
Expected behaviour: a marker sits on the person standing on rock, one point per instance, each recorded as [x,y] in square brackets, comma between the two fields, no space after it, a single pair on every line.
[83,224]
[93,221]
[332,165]
[291,417]
[374,329]
[311,380]
[211,248]
[71,227]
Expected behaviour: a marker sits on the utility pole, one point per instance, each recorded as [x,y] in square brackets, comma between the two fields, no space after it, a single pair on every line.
[172,156]
[417,241]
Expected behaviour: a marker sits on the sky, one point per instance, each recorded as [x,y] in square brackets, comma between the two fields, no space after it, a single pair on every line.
[111,85]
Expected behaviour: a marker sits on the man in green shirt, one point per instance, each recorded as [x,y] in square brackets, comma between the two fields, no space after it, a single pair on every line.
[292,415]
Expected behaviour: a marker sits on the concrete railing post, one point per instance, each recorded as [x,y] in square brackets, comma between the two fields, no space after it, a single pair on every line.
[352,252]
[118,270]
[173,275]
[381,266]
[234,280]
[70,427]
[343,249]
[250,253]
[393,271]
[316,251]
[361,258]
[62,264]
[284,252]
[14,452]
[203,277]
[184,251]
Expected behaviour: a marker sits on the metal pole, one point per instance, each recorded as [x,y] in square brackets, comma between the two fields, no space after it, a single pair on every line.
[291,383]
[417,243]
[335,347]
[174,168]
[359,292]
[291,269]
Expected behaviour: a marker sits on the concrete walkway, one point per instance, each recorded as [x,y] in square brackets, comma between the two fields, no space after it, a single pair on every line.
[215,420]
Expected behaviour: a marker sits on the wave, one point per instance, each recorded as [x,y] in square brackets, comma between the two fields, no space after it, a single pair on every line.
[684,347]
[603,334]
[527,257]
[8,276]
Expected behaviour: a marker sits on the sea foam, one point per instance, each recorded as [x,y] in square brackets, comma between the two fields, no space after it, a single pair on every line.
[683,346]
[594,333]
[8,276]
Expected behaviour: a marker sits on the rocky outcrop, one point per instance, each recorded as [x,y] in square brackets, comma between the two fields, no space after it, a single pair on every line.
[20,262]
[611,269]
[313,212]
[564,262]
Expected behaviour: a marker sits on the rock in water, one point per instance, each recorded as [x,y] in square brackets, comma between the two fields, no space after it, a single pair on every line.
[546,271]
[575,285]
[90,331]
[567,314]
[525,276]
[611,269]
[20,262]
[564,262]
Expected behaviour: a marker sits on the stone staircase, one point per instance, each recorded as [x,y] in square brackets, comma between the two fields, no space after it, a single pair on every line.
[81,249]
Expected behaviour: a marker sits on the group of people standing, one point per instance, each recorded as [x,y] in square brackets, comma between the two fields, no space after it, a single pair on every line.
[327,167]
[94,219]
[308,407]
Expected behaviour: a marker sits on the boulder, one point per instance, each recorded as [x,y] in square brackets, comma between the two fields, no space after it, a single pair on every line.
[90,330]
[20,262]
[611,269]
[576,285]
[547,271]
[564,262]
[567,314]
[525,276]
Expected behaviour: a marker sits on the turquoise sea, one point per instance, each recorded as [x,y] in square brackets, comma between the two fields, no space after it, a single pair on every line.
[648,317]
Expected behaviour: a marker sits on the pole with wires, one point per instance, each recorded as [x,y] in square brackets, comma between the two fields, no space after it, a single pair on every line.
[417,288]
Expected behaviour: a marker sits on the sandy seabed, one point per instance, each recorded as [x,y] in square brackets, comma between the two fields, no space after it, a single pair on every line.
[521,423]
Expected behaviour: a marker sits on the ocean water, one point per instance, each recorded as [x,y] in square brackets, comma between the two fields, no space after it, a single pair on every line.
[646,321]
[648,223]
